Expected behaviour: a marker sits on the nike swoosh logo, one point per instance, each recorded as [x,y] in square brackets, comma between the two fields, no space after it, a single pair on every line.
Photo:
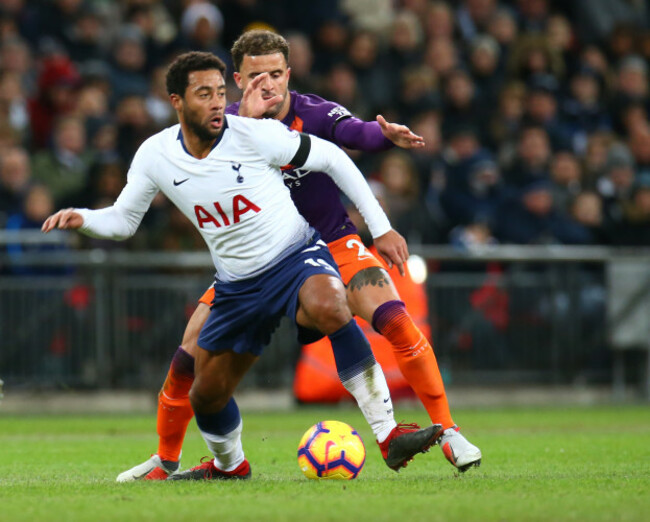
[386,400]
[177,183]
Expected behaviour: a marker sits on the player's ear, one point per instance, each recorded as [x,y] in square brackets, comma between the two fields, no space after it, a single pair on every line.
[237,77]
[288,73]
[176,101]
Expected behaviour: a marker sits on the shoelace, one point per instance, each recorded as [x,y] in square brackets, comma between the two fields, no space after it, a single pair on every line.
[408,426]
[206,463]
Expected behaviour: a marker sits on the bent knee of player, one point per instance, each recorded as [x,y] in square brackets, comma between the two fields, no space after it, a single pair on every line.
[208,397]
[331,314]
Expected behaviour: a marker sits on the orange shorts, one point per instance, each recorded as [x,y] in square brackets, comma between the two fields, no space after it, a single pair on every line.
[350,254]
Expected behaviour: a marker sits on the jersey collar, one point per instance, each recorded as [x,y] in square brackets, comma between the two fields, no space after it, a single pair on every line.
[216,142]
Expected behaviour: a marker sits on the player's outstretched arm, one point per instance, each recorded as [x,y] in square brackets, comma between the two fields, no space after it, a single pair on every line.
[328,158]
[253,104]
[66,219]
[400,135]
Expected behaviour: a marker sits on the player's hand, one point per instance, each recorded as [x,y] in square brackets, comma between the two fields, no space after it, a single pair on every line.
[66,219]
[253,104]
[392,248]
[400,135]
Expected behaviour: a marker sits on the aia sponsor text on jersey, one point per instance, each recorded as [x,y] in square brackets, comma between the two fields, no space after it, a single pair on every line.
[218,217]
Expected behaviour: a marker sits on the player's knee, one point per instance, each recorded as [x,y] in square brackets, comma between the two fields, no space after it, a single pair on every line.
[331,314]
[208,399]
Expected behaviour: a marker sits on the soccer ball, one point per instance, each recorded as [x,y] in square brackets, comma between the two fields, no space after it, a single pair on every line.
[331,450]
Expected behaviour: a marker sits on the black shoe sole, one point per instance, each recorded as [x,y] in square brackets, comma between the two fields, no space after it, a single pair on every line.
[201,475]
[476,463]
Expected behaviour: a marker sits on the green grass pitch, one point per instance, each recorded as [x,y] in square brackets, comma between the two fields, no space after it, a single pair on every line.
[549,464]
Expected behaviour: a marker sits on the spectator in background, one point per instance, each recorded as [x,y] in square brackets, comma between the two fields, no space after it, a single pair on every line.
[583,110]
[595,158]
[56,97]
[461,105]
[92,107]
[56,20]
[532,55]
[157,28]
[587,210]
[631,85]
[528,217]
[15,179]
[13,104]
[439,21]
[341,86]
[64,167]
[157,102]
[639,143]
[441,56]
[484,64]
[399,177]
[37,206]
[474,16]
[302,60]
[330,44]
[418,93]
[406,41]
[201,27]
[566,180]
[503,28]
[88,38]
[376,80]
[542,110]
[16,58]
[533,14]
[129,64]
[134,125]
[635,229]
[615,186]
[561,39]
[474,192]
[507,121]
[533,158]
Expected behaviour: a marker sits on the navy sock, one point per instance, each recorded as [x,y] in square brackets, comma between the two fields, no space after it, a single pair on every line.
[222,422]
[352,351]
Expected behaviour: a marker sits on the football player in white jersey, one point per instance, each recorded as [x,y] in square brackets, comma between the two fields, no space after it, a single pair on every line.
[224,174]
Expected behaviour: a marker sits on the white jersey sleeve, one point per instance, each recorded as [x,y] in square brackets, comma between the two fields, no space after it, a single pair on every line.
[122,219]
[272,140]
[281,146]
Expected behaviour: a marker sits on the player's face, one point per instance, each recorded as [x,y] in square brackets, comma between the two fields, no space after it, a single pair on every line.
[277,84]
[202,107]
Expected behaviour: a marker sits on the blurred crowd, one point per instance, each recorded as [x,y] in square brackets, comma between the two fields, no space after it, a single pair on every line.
[535,112]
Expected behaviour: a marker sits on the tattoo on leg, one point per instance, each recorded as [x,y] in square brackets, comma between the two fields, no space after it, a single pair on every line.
[374,276]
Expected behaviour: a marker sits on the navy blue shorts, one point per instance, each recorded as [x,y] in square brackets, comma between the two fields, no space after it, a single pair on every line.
[245,313]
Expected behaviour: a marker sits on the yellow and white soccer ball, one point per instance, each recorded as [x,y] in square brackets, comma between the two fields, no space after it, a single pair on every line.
[331,450]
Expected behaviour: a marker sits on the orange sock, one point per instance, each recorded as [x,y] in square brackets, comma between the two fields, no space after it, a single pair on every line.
[415,359]
[174,408]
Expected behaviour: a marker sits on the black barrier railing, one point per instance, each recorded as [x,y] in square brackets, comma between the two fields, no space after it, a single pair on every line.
[499,315]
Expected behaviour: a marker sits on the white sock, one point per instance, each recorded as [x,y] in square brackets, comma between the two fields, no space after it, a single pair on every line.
[370,390]
[227,449]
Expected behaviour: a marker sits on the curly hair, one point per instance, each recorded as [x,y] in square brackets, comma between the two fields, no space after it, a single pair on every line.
[258,43]
[178,72]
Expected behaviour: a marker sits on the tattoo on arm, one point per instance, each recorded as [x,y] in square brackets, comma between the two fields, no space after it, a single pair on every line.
[373,276]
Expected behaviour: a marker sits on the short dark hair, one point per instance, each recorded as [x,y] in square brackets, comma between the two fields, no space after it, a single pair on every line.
[258,43]
[183,65]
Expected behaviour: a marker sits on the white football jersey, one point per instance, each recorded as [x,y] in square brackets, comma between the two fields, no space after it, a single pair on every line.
[235,196]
